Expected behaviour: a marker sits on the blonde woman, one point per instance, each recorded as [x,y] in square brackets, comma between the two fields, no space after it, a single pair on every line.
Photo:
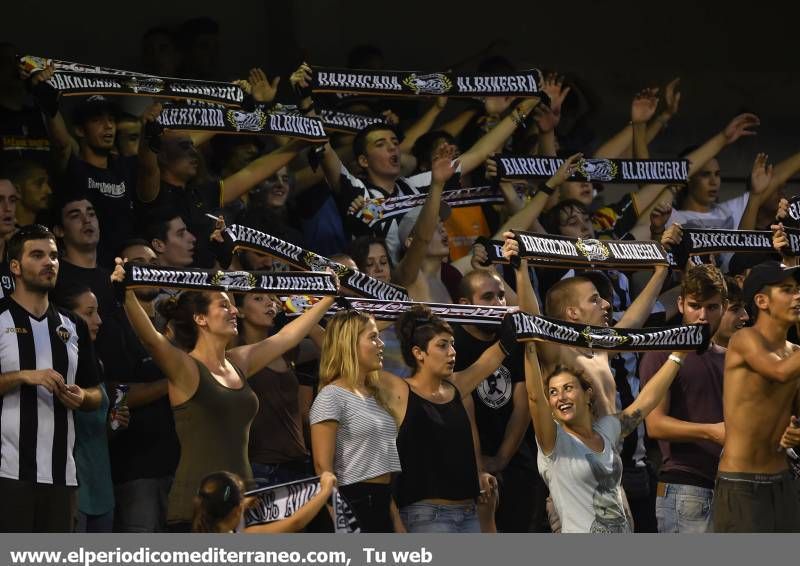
[352,433]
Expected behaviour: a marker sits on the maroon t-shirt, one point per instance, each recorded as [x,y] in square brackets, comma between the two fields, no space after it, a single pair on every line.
[695,396]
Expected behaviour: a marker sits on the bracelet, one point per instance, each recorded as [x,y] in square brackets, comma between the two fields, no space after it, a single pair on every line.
[676,359]
[518,117]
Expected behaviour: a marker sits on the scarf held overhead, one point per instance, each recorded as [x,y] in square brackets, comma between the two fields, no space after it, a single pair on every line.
[291,283]
[416,83]
[73,79]
[602,170]
[218,118]
[242,237]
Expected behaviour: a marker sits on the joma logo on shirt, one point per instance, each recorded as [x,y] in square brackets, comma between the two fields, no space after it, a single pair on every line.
[12,330]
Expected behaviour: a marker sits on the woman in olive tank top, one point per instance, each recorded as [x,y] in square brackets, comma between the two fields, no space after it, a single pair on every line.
[212,402]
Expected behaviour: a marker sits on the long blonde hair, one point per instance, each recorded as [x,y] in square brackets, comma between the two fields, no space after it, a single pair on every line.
[339,359]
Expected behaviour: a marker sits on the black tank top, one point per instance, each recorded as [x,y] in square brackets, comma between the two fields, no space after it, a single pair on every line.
[436,452]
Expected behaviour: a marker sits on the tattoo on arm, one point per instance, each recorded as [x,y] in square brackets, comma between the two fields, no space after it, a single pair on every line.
[629,422]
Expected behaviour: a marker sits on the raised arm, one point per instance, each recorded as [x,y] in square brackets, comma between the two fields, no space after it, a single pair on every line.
[747,347]
[442,168]
[672,99]
[496,137]
[254,357]
[469,378]
[651,394]
[422,125]
[642,109]
[760,180]
[523,219]
[175,363]
[259,169]
[303,516]
[741,125]
[455,126]
[62,144]
[543,424]
[331,164]
[148,180]
[639,311]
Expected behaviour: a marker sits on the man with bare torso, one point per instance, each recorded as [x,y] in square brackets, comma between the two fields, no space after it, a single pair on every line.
[754,490]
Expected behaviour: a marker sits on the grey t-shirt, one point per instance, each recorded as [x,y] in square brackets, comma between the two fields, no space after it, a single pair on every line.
[585,485]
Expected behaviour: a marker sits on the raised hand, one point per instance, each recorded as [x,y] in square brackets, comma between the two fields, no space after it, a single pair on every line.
[672,236]
[118,275]
[391,118]
[219,228]
[510,246]
[783,210]
[301,80]
[672,98]
[780,241]
[553,87]
[644,105]
[480,257]
[659,217]
[443,164]
[761,175]
[546,119]
[741,125]
[262,89]
[565,171]
[791,436]
[490,169]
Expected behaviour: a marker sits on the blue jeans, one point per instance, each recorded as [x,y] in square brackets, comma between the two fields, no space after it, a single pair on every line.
[430,518]
[266,475]
[684,509]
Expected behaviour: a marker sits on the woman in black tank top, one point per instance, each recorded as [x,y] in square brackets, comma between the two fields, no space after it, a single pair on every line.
[205,378]
[437,441]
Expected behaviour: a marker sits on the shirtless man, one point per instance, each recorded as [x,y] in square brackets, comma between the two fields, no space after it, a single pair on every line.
[577,300]
[755,491]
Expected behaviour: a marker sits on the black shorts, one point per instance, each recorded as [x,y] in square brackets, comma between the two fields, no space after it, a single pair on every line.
[756,503]
[36,507]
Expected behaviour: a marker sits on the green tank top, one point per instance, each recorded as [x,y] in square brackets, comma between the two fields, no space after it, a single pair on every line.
[213,428]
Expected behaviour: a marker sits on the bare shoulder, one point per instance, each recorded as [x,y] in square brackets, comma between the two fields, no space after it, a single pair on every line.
[745,339]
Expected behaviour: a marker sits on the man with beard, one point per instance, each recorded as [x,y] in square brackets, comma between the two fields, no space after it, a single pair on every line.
[49,370]
[33,185]
[87,163]
[688,421]
[500,403]
[754,490]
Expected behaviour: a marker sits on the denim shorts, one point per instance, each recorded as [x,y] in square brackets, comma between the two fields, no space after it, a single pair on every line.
[434,518]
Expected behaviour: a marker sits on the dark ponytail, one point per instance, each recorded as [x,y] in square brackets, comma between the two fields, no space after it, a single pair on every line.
[179,312]
[219,494]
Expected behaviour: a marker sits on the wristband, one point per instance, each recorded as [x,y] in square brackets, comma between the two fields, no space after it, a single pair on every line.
[676,359]
[545,188]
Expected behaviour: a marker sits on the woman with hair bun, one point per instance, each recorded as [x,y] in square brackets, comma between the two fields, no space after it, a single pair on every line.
[220,504]
[211,400]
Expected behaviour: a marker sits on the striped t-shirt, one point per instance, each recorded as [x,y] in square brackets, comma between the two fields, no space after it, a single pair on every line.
[365,439]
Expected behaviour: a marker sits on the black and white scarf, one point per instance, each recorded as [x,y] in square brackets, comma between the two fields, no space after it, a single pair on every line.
[242,237]
[595,169]
[72,79]
[288,282]
[278,502]
[416,83]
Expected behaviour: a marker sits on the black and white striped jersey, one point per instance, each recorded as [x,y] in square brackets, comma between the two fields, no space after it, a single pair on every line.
[37,433]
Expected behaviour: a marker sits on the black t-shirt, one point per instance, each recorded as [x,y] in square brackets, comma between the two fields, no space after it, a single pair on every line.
[98,279]
[149,447]
[493,398]
[23,136]
[192,203]
[111,191]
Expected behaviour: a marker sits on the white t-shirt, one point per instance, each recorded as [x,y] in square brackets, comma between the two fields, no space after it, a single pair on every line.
[725,215]
[585,485]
